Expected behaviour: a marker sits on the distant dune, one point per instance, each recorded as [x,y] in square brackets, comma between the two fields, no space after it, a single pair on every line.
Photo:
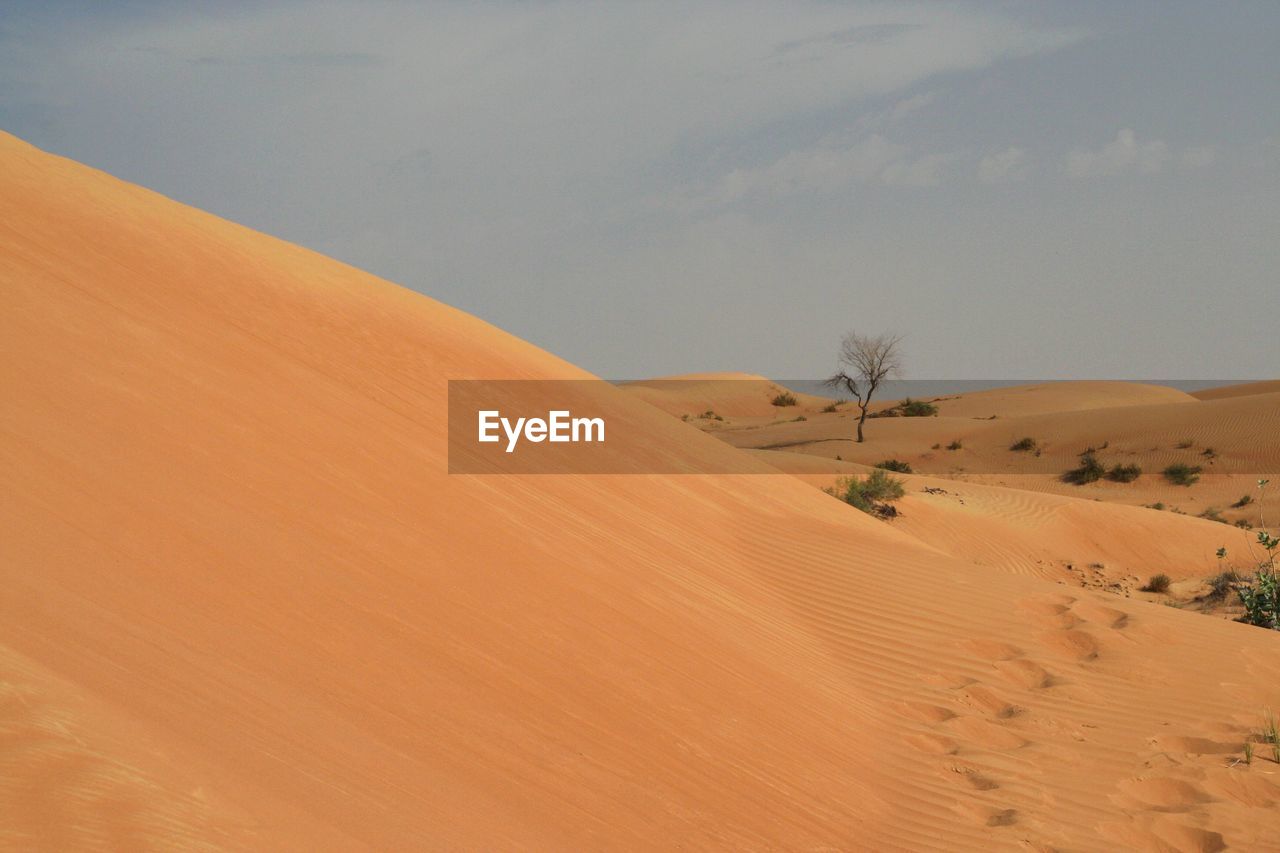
[245,606]
[724,394]
[1058,397]
[1244,390]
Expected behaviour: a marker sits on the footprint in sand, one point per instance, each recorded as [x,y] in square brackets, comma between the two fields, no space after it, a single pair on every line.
[1164,794]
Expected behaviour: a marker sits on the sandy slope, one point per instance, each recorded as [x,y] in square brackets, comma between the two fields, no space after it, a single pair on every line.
[1058,397]
[732,395]
[1068,540]
[1242,390]
[246,607]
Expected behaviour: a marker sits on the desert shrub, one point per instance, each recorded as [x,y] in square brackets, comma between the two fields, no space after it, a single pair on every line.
[1158,583]
[1184,444]
[1182,475]
[1024,445]
[831,407]
[1261,599]
[1223,582]
[786,398]
[1244,501]
[1156,505]
[917,409]
[955,445]
[1209,453]
[895,465]
[1261,596]
[1124,473]
[871,494]
[799,419]
[709,415]
[936,447]
[1243,524]
[1090,471]
[1213,514]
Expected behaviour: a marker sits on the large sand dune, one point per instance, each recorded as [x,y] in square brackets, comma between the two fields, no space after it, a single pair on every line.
[246,607]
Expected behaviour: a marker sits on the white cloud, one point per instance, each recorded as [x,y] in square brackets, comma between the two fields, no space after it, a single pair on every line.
[829,166]
[1011,164]
[1125,154]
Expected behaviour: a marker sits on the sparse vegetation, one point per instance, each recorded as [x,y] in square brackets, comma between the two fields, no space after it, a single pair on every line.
[1213,514]
[917,409]
[1261,595]
[1184,444]
[1157,583]
[1024,445]
[872,494]
[955,445]
[1210,454]
[1124,473]
[1244,501]
[1223,582]
[895,465]
[830,408]
[1182,475]
[786,398]
[1157,505]
[1090,471]
[709,415]
[799,419]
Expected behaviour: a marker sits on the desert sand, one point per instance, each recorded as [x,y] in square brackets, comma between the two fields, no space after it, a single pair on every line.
[245,606]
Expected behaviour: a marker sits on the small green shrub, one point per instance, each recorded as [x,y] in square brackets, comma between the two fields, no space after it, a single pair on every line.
[1124,473]
[871,494]
[895,465]
[1024,445]
[1158,583]
[786,398]
[1090,471]
[1244,501]
[917,409]
[1182,475]
[1261,600]
[1156,505]
[955,445]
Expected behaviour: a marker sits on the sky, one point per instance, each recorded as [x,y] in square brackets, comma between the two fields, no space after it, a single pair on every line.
[1023,189]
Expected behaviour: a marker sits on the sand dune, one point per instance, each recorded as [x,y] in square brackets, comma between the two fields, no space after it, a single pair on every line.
[1070,540]
[1242,390]
[1062,396]
[245,606]
[736,395]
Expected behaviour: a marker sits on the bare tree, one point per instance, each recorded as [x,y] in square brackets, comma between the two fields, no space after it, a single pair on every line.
[865,362]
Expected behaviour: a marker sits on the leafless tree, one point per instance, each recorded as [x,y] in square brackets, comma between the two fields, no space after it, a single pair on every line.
[865,362]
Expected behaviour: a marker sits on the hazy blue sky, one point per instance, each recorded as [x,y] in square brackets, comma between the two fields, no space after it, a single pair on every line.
[1027,189]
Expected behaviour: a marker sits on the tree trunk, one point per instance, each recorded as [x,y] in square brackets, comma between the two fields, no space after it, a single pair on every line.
[861,420]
